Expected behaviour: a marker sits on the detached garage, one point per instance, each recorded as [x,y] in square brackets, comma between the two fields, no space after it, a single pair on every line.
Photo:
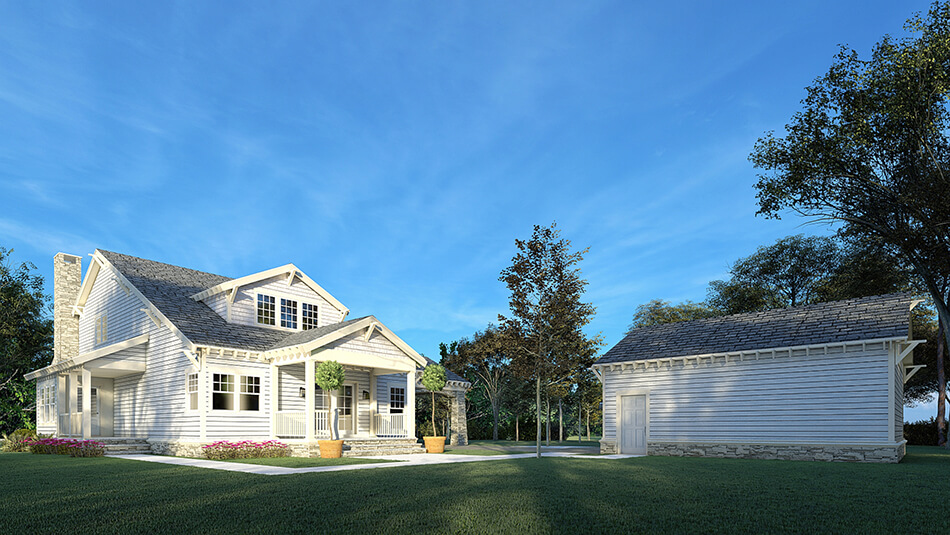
[819,382]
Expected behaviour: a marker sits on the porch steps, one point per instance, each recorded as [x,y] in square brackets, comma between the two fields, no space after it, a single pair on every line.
[355,447]
[124,445]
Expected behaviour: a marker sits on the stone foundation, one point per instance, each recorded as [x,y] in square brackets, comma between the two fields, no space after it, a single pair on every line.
[789,452]
[177,448]
[608,447]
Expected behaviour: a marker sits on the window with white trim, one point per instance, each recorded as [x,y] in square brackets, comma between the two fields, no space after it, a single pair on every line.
[397,400]
[288,313]
[266,309]
[222,391]
[308,316]
[250,393]
[101,329]
[45,410]
[192,391]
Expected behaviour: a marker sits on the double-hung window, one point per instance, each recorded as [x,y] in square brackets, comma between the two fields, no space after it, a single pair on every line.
[250,393]
[101,329]
[397,400]
[288,313]
[222,391]
[266,309]
[192,391]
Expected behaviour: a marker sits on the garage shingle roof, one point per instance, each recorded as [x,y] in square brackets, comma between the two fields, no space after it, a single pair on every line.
[866,318]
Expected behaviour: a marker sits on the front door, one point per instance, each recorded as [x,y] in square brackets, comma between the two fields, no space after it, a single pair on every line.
[633,424]
[94,410]
[347,409]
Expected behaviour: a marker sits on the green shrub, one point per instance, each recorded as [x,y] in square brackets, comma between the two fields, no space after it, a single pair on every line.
[922,433]
[18,440]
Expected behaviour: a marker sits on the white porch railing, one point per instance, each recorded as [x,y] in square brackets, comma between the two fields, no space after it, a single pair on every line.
[390,425]
[294,423]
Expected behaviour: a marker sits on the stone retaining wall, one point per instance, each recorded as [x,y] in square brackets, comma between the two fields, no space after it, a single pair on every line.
[789,452]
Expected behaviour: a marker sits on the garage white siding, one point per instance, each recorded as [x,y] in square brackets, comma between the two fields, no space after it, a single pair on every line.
[838,396]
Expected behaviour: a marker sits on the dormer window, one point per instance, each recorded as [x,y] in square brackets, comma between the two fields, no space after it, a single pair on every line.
[308,319]
[266,309]
[288,313]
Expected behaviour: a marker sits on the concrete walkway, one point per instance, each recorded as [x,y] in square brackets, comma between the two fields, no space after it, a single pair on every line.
[416,459]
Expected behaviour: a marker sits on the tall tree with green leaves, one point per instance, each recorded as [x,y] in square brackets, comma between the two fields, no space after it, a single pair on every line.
[26,341]
[658,312]
[483,361]
[870,150]
[544,333]
[786,273]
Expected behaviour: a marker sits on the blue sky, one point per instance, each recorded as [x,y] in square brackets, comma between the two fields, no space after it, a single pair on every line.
[395,151]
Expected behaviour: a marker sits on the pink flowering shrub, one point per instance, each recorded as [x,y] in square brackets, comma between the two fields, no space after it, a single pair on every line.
[67,446]
[245,449]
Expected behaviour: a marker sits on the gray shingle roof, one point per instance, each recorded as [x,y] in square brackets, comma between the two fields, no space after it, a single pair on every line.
[866,318]
[309,335]
[170,288]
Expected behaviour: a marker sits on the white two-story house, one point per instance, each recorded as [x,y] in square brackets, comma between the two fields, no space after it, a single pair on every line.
[180,358]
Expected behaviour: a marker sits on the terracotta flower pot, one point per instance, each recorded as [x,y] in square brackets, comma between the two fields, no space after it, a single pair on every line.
[434,444]
[331,449]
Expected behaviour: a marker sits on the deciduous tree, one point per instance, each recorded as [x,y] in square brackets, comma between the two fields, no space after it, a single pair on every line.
[544,331]
[26,341]
[870,150]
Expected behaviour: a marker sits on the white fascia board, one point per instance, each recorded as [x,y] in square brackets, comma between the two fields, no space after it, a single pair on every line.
[86,357]
[749,352]
[288,269]
[308,347]
[91,274]
[365,360]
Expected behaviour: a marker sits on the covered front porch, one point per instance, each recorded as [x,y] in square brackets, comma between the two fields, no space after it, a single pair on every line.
[376,401]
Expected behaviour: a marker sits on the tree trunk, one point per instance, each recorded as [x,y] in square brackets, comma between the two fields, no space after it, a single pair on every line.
[547,420]
[537,395]
[517,437]
[579,414]
[494,414]
[434,431]
[588,424]
[941,391]
[560,425]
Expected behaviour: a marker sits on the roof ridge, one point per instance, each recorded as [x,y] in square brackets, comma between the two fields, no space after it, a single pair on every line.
[164,264]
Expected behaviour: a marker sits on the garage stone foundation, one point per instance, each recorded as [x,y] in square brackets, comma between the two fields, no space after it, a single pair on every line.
[787,452]
[608,447]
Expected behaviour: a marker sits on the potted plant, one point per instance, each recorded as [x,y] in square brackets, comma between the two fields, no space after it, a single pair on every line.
[330,377]
[433,378]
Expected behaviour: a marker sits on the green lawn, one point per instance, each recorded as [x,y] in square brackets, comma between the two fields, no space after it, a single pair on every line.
[51,494]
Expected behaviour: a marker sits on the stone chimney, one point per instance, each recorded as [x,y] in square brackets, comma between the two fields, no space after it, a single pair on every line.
[67,279]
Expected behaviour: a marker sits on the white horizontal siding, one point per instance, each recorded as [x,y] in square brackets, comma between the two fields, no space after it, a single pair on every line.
[244,308]
[383,384]
[837,398]
[291,380]
[377,345]
[149,404]
[898,402]
[238,424]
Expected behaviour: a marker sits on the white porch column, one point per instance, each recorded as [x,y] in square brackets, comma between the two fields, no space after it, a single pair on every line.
[203,378]
[86,403]
[73,405]
[274,398]
[309,377]
[411,404]
[373,404]
[62,401]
